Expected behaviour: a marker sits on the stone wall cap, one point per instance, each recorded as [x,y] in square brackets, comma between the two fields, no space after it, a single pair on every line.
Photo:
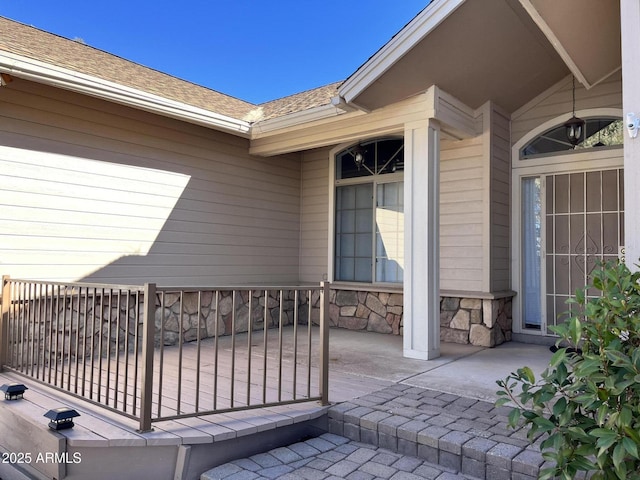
[480,295]
[366,287]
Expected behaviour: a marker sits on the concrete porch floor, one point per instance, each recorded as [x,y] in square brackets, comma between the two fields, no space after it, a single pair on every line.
[463,370]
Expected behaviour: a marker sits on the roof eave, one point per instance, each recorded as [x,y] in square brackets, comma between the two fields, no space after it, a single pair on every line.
[44,73]
[295,119]
[425,22]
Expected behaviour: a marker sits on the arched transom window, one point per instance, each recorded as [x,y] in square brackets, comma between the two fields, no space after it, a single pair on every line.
[598,132]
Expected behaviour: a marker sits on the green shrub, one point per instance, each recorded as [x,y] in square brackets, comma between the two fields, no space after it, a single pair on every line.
[586,406]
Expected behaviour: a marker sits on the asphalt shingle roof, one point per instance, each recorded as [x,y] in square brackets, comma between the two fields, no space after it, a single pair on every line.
[49,48]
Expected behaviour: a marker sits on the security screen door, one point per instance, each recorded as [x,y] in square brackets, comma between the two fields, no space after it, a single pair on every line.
[570,222]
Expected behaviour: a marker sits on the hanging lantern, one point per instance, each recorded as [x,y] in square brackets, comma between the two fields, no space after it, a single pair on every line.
[574,127]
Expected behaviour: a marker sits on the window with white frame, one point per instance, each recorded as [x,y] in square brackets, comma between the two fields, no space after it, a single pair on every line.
[369,212]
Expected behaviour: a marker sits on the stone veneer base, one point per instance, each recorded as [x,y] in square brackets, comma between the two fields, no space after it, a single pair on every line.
[476,321]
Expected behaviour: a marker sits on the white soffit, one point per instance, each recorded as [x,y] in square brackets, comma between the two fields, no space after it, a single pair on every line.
[40,72]
[585,33]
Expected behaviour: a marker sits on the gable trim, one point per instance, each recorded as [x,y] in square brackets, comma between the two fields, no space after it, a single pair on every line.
[425,22]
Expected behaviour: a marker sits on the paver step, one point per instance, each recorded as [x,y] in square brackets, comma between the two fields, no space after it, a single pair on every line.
[330,457]
[463,434]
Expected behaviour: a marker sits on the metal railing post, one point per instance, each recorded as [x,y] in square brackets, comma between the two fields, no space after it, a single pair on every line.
[324,343]
[148,334]
[4,322]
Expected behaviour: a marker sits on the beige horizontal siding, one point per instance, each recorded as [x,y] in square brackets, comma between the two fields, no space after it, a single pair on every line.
[500,176]
[92,190]
[314,237]
[461,207]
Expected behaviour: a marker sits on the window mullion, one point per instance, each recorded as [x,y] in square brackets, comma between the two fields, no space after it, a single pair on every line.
[374,235]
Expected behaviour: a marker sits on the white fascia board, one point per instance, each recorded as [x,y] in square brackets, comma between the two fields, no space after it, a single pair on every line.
[424,23]
[295,119]
[40,72]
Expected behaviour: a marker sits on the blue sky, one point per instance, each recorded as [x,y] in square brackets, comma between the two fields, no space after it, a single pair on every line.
[251,49]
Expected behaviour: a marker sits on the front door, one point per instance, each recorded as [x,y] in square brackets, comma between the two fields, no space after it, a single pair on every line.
[569,223]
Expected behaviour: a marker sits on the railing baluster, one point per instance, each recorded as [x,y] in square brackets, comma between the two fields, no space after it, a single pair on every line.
[199,313]
[127,326]
[64,335]
[108,359]
[77,346]
[72,296]
[180,342]
[93,339]
[309,339]
[161,359]
[265,327]
[117,379]
[100,348]
[280,315]
[25,329]
[233,345]
[37,289]
[53,321]
[84,340]
[295,342]
[215,353]
[249,333]
[136,339]
[43,331]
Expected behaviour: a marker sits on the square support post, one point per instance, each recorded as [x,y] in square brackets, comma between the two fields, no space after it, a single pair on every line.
[4,322]
[148,334]
[421,240]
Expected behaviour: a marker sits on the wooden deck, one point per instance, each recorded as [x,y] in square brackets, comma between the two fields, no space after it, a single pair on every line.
[98,429]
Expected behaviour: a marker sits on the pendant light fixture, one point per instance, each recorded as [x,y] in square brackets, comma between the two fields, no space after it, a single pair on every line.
[574,127]
[358,155]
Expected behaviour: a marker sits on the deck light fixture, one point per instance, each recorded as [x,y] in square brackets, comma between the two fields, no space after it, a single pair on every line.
[574,126]
[13,391]
[61,418]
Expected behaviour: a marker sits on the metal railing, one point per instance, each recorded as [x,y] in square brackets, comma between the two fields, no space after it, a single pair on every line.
[155,354]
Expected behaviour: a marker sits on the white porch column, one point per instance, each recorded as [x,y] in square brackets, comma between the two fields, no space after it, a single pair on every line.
[421,320]
[630,36]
